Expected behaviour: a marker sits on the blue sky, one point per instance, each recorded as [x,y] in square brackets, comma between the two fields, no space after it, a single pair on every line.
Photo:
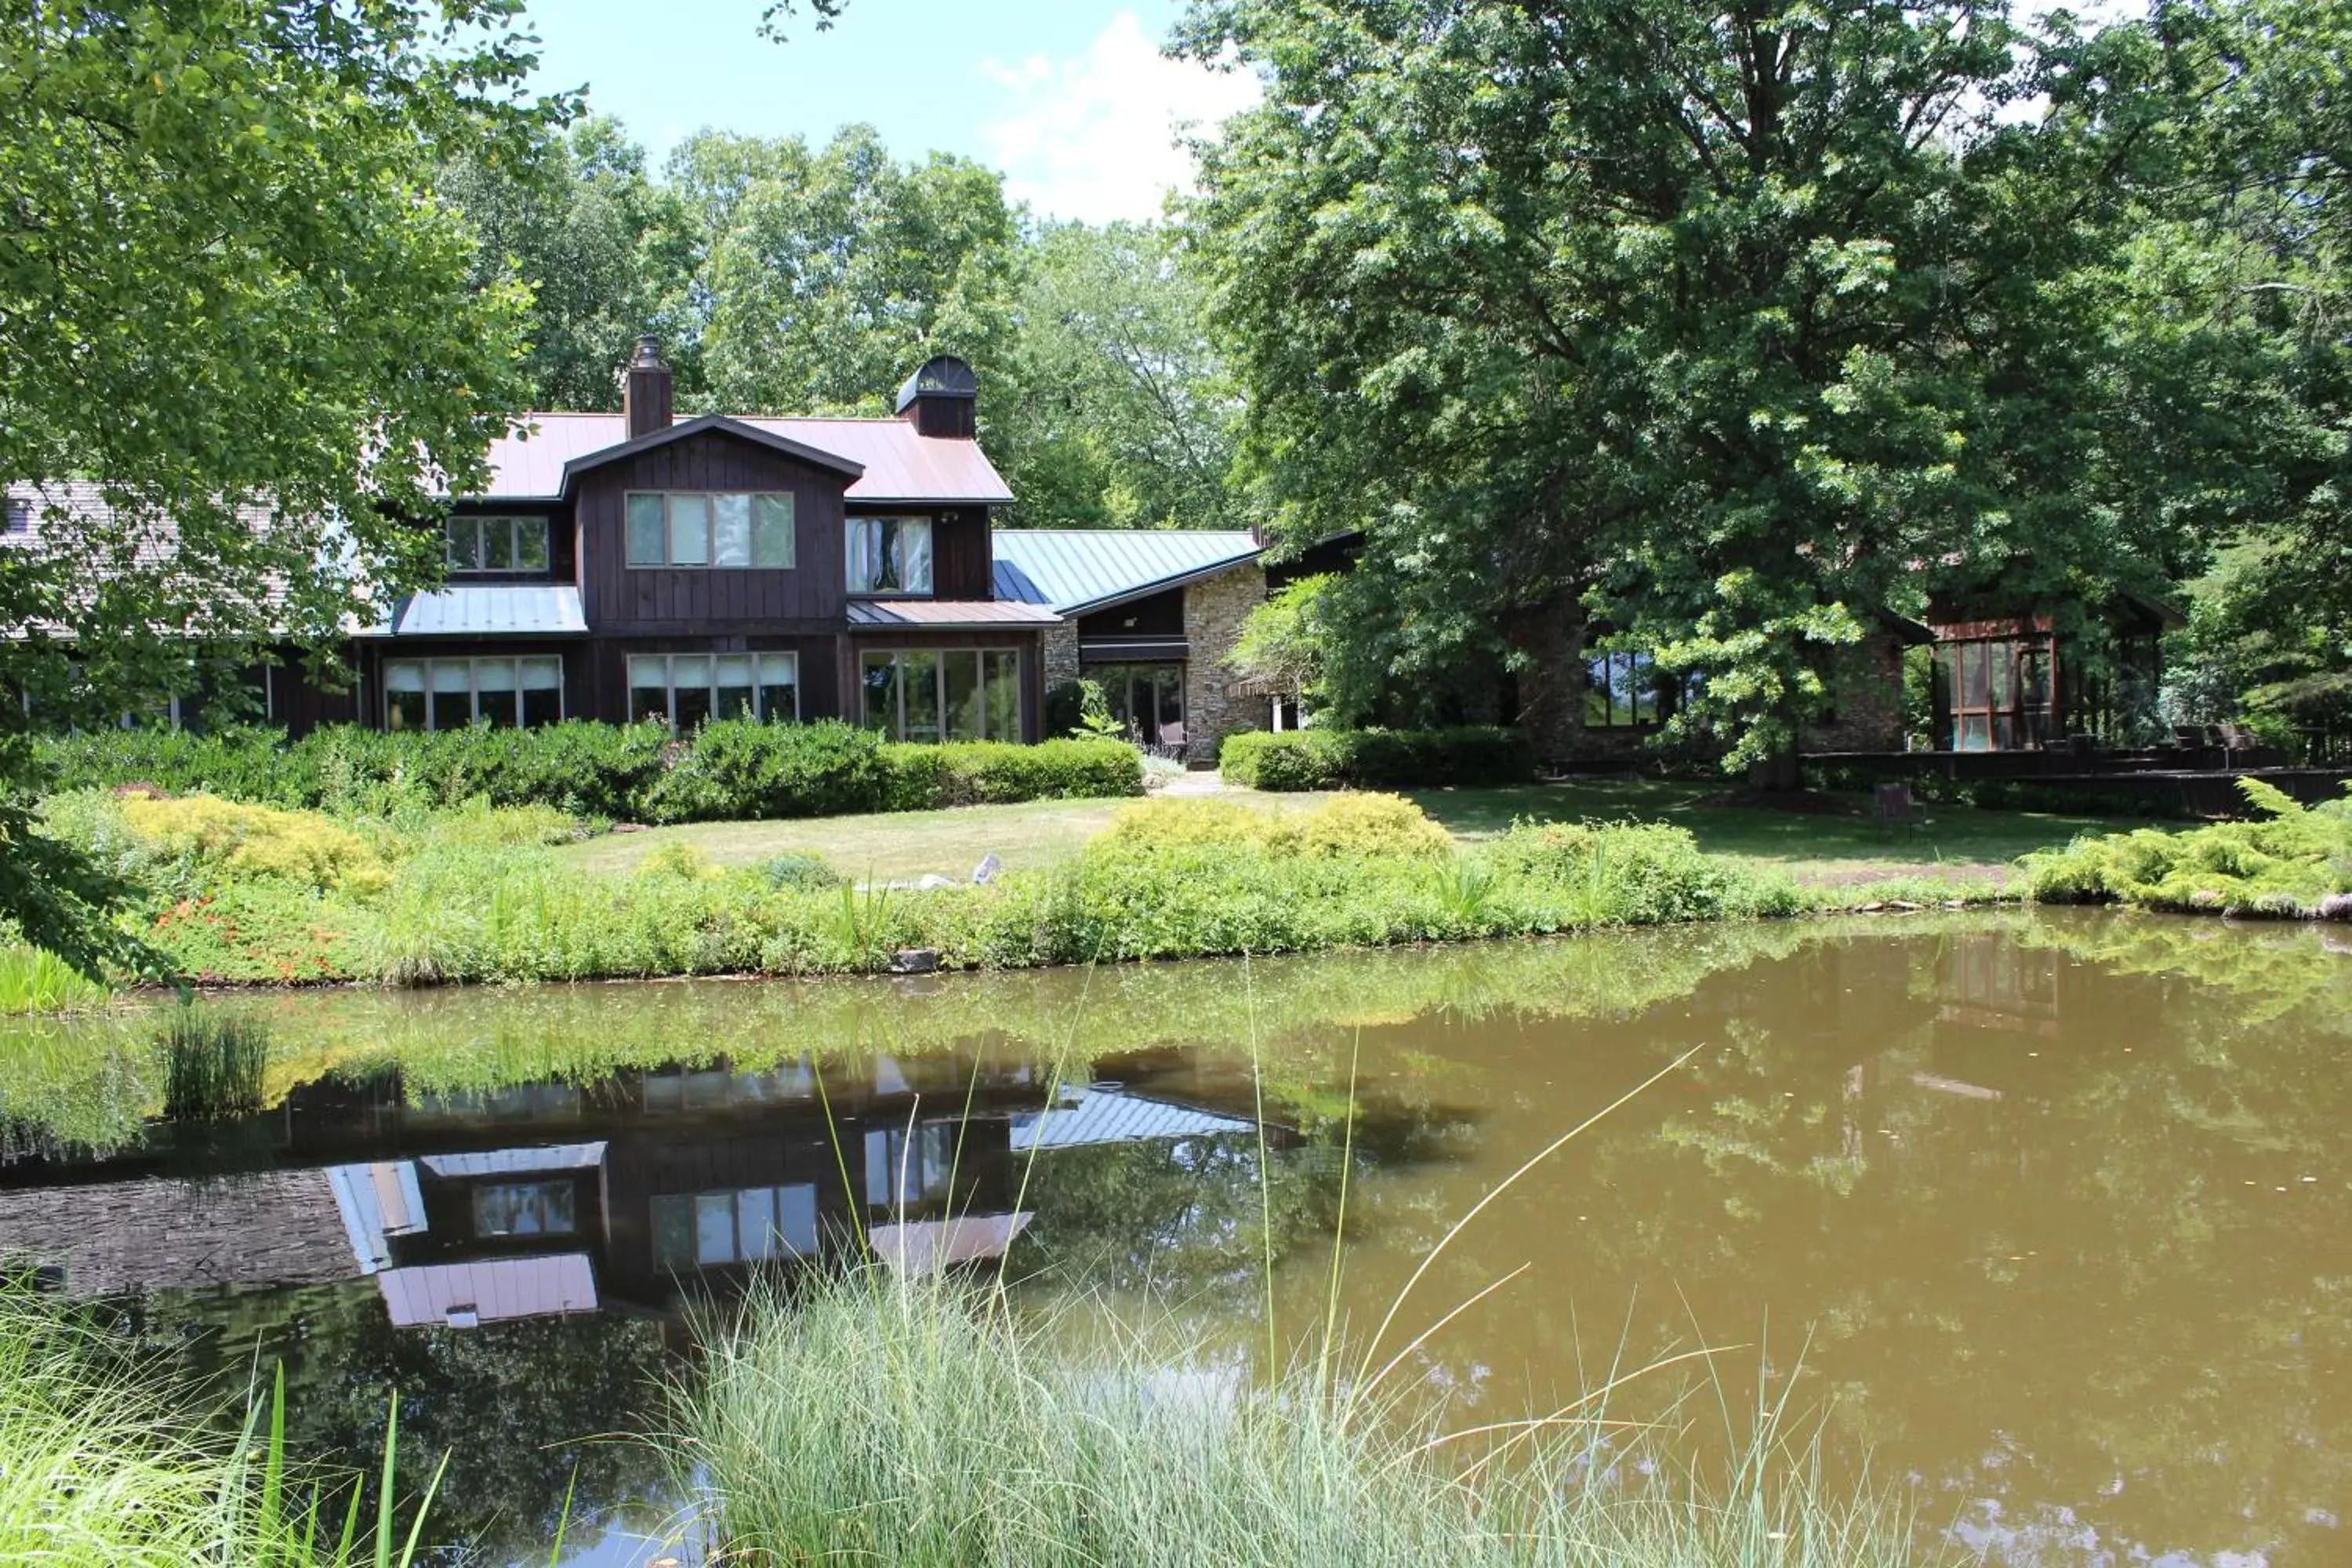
[1069,97]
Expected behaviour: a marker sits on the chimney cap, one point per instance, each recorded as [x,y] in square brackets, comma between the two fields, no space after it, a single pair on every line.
[941,375]
[648,353]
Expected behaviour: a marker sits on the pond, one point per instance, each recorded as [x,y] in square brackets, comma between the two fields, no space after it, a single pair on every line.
[2047,1216]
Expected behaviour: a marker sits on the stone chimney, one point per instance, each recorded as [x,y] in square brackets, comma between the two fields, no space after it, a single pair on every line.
[942,398]
[645,391]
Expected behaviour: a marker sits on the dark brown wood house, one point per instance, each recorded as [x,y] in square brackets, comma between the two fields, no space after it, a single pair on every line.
[622,566]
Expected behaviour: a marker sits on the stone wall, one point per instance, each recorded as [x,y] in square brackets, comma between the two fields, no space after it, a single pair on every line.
[1865,687]
[1214,608]
[1058,648]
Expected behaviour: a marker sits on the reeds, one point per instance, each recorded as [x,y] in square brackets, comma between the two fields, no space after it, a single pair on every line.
[920,1421]
[213,1066]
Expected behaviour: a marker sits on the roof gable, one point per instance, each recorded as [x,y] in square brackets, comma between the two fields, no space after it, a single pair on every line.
[710,425]
[891,461]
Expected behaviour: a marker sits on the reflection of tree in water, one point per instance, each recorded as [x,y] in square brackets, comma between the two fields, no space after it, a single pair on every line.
[516,1406]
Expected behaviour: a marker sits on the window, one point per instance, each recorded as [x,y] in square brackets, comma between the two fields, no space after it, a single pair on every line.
[1148,700]
[701,1230]
[498,544]
[451,693]
[897,1176]
[17,515]
[889,554]
[1621,690]
[944,694]
[686,689]
[1998,693]
[525,1208]
[699,527]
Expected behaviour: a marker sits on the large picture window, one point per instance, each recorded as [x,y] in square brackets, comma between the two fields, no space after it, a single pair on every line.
[451,693]
[706,529]
[1621,690]
[526,1208]
[942,694]
[686,689]
[498,544]
[889,554]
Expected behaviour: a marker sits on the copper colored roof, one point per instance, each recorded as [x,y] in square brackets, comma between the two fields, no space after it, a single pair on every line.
[493,1290]
[936,615]
[901,464]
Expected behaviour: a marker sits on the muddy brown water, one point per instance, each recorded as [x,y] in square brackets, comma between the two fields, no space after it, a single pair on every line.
[2048,1216]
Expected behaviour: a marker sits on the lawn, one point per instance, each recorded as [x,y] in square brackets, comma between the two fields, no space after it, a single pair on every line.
[1815,848]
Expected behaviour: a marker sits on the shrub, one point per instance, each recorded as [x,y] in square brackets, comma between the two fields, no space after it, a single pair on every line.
[1638,873]
[1374,825]
[231,840]
[2287,864]
[800,870]
[995,772]
[739,769]
[1154,825]
[1334,759]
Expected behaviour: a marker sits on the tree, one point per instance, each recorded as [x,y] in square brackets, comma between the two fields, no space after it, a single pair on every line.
[225,299]
[602,248]
[1119,414]
[1731,324]
[829,274]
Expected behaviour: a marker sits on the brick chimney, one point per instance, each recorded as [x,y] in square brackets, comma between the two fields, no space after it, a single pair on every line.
[942,398]
[645,391]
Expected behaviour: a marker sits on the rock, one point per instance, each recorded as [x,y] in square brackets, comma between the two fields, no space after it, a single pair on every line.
[1869,909]
[628,827]
[2205,899]
[1956,903]
[2335,907]
[1903,907]
[933,879]
[985,872]
[914,961]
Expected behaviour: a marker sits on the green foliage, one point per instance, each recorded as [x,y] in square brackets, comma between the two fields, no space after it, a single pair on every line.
[207,838]
[1337,758]
[1286,641]
[215,1066]
[2295,862]
[800,869]
[741,768]
[922,1421]
[35,980]
[1643,873]
[1713,322]
[728,770]
[1348,826]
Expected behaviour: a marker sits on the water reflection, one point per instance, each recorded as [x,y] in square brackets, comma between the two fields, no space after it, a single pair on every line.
[2054,1207]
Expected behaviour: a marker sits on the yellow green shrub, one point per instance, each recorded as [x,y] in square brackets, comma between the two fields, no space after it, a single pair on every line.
[234,840]
[1187,824]
[1387,825]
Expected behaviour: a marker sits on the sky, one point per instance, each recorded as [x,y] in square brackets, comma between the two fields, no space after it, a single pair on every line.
[1070,99]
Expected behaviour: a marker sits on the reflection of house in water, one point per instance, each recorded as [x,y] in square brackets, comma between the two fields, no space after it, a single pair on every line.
[553,1198]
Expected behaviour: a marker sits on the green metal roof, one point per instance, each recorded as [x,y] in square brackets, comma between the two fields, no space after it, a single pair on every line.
[1075,570]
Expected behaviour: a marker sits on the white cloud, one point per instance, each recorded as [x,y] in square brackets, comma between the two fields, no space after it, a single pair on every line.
[1097,137]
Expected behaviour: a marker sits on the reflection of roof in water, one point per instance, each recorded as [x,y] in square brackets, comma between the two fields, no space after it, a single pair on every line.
[517,1162]
[497,1290]
[267,1228]
[928,1244]
[1115,1116]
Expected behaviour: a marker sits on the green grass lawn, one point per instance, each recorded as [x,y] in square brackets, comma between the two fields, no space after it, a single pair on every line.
[1815,847]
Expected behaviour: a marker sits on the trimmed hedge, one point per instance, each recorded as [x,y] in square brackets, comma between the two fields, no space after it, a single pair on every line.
[1376,759]
[725,771]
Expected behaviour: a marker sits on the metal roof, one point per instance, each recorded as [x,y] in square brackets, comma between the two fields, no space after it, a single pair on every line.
[901,464]
[935,614]
[1113,1116]
[927,1245]
[1079,569]
[517,1162]
[488,609]
[494,1290]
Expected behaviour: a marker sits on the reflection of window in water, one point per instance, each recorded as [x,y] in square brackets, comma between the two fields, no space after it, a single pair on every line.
[713,1090]
[895,1178]
[524,1102]
[524,1208]
[1993,973]
[694,1230]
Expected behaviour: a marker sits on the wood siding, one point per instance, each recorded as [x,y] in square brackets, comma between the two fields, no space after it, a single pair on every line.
[1161,615]
[624,601]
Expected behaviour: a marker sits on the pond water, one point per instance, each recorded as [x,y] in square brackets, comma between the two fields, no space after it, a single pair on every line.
[2049,1216]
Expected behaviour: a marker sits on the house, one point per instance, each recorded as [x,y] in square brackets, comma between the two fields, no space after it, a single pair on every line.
[2007,679]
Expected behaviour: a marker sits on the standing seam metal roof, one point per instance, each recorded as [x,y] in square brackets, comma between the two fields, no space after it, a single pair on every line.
[1069,567]
[901,464]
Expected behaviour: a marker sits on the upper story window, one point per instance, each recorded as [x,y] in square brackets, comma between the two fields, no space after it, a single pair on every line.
[889,554]
[498,544]
[702,529]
